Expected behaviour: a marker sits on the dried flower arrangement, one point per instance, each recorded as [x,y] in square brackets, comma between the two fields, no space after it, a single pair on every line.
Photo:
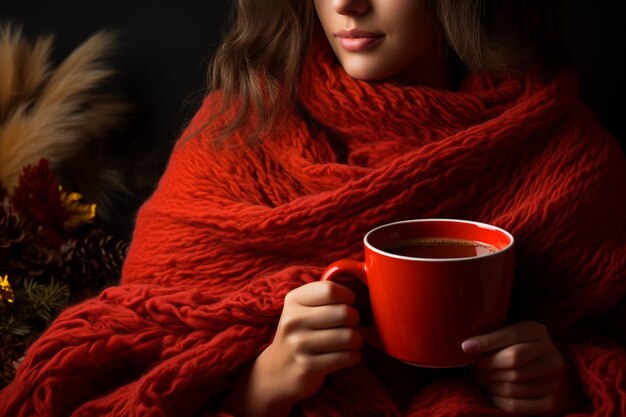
[52,254]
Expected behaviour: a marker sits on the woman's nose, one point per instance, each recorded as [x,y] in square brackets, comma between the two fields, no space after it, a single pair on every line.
[351,7]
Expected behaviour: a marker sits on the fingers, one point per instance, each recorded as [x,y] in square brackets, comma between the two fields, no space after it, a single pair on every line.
[530,389]
[321,293]
[317,318]
[517,333]
[327,317]
[543,367]
[319,305]
[325,341]
[328,362]
[514,356]
[315,336]
[542,406]
[522,369]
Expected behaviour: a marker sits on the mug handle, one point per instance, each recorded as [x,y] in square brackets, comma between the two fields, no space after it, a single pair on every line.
[356,269]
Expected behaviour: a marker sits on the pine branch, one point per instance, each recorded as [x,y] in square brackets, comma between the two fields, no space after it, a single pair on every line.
[46,300]
[15,326]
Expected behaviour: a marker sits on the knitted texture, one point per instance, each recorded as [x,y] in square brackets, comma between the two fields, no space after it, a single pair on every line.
[230,231]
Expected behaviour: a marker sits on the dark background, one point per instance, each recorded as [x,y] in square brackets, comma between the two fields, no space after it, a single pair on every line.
[161,63]
[166,45]
[163,55]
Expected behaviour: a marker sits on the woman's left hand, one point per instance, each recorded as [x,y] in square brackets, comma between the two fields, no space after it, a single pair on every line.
[524,371]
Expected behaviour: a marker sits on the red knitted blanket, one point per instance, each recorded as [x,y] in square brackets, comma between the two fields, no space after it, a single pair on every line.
[230,231]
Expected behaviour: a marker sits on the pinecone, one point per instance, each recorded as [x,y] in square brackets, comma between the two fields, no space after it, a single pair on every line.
[11,227]
[33,258]
[97,258]
[113,252]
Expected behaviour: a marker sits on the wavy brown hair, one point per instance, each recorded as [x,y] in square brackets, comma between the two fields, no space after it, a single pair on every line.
[257,65]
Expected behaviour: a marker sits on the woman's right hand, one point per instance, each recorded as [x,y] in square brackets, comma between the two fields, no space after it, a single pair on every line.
[316,336]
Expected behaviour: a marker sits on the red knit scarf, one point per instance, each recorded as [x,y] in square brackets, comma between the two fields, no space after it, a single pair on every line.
[229,232]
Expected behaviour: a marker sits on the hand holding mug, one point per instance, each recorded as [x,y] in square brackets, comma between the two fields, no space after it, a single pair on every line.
[433,283]
[523,370]
[316,335]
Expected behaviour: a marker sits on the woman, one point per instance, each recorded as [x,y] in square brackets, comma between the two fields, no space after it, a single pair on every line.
[329,118]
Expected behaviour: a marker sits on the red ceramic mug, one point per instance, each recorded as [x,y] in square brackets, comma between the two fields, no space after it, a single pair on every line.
[433,283]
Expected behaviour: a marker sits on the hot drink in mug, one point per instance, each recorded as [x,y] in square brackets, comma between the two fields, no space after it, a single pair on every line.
[433,283]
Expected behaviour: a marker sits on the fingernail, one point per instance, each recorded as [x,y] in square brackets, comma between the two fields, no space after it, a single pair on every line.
[470,345]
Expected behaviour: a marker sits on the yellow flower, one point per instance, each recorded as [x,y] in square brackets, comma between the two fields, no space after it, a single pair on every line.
[6,292]
[79,212]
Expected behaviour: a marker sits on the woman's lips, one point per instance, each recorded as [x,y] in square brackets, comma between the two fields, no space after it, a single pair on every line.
[358,44]
[355,40]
